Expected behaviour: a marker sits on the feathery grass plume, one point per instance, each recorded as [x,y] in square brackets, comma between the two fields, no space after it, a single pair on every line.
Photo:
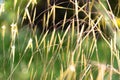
[110,20]
[14,32]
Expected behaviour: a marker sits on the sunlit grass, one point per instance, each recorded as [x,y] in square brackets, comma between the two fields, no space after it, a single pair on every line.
[74,52]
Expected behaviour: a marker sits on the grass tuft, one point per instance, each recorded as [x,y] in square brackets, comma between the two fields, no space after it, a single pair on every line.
[83,44]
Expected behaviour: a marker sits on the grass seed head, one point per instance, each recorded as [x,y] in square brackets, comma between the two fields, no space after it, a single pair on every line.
[3,30]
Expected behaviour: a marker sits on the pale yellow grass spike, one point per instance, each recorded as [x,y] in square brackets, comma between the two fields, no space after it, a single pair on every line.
[34,75]
[72,68]
[61,73]
[2,8]
[76,14]
[44,20]
[54,11]
[43,38]
[78,44]
[31,74]
[28,4]
[46,76]
[76,8]
[47,20]
[36,41]
[101,72]
[95,25]
[33,2]
[80,35]
[3,37]
[24,17]
[3,31]
[29,45]
[34,15]
[52,74]
[91,75]
[86,71]
[59,38]
[12,55]
[18,13]
[65,33]
[64,20]
[111,56]
[48,2]
[47,46]
[84,61]
[92,47]
[29,64]
[14,32]
[73,29]
[52,37]
[49,15]
[54,44]
[28,14]
[80,8]
[60,7]
[86,68]
[69,73]
[15,2]
[68,44]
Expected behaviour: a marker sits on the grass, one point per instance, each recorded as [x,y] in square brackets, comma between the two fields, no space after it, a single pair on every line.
[74,53]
